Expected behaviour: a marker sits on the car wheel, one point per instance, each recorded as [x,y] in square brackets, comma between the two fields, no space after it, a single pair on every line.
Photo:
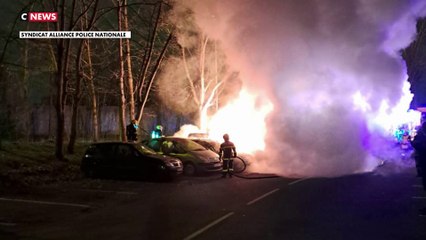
[189,169]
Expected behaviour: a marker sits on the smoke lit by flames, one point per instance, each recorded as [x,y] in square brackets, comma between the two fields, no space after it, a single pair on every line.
[388,118]
[244,119]
[332,70]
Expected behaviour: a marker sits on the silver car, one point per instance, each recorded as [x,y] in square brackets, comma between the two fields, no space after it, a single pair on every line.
[195,158]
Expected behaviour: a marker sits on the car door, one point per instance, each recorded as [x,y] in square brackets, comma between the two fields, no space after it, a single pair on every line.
[155,144]
[125,160]
[176,150]
[131,162]
[146,166]
[105,159]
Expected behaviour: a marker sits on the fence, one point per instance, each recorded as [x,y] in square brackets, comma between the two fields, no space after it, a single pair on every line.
[40,122]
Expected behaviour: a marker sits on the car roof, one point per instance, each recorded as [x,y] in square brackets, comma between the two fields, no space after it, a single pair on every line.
[198,135]
[177,139]
[116,142]
[113,143]
[174,138]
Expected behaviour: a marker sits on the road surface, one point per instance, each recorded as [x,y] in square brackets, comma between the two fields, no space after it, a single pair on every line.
[362,206]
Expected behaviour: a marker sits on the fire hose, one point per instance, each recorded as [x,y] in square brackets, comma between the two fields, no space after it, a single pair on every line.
[238,172]
[258,177]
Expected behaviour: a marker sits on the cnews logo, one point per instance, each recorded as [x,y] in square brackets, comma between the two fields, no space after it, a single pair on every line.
[40,16]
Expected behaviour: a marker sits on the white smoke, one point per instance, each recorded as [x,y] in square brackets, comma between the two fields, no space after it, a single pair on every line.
[310,57]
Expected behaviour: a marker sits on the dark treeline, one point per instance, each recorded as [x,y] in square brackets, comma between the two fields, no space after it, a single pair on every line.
[68,73]
[415,58]
[65,89]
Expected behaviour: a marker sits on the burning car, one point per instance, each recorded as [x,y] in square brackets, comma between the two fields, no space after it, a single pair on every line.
[195,158]
[242,160]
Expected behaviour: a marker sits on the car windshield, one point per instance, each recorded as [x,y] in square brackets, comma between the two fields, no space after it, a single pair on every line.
[209,144]
[198,135]
[146,150]
[189,145]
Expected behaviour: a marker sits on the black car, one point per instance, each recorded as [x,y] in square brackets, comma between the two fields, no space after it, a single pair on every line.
[117,159]
[195,158]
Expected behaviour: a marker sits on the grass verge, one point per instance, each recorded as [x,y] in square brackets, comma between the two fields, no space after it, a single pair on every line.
[25,164]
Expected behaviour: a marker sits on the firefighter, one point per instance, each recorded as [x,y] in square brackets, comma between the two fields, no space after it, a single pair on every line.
[405,146]
[158,132]
[131,131]
[226,153]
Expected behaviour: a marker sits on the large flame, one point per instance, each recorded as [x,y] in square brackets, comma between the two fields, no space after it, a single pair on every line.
[244,120]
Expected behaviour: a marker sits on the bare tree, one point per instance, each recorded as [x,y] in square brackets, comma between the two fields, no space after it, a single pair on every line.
[77,68]
[198,77]
[121,77]
[86,24]
[62,51]
[77,97]
[129,63]
[92,93]
[207,87]
[153,76]
[149,64]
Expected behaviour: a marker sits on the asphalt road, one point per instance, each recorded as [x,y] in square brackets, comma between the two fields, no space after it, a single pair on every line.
[380,205]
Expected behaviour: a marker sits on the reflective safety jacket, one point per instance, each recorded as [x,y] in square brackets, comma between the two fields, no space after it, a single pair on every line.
[227,150]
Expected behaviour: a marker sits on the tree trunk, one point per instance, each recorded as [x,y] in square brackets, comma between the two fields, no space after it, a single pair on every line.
[24,86]
[122,105]
[79,70]
[77,97]
[63,55]
[92,92]
[129,66]
[60,88]
[202,107]
[202,112]
[216,77]
[60,115]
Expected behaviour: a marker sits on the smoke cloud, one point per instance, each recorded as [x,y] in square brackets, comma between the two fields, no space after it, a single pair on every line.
[309,57]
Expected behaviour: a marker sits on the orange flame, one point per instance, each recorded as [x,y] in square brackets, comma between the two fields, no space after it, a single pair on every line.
[244,120]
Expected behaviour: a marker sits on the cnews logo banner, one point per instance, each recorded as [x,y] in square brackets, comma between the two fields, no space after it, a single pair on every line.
[40,16]
[75,34]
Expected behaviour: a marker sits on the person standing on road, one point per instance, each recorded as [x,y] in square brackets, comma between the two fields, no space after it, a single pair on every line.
[419,144]
[226,153]
[131,131]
